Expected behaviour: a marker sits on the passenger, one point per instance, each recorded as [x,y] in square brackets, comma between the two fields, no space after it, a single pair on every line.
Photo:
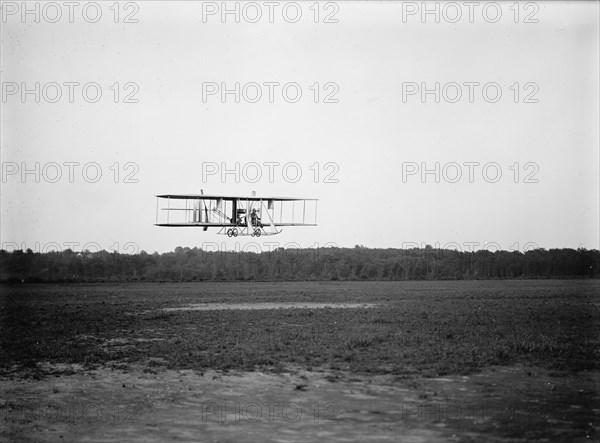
[255,218]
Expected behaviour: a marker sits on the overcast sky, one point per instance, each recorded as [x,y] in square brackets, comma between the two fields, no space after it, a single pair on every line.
[369,136]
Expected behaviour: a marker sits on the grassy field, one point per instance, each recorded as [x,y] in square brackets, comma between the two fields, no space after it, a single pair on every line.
[383,361]
[427,328]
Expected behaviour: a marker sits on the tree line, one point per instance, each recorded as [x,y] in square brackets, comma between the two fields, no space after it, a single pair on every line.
[358,263]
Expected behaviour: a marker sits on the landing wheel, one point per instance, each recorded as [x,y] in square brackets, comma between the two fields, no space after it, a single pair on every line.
[257,232]
[229,232]
[234,232]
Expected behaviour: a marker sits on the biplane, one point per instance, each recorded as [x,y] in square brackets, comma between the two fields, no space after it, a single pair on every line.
[235,215]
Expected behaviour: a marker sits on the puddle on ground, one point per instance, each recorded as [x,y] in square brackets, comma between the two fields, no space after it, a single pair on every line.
[269,305]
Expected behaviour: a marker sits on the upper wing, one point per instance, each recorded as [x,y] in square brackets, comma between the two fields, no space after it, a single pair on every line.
[195,224]
[229,197]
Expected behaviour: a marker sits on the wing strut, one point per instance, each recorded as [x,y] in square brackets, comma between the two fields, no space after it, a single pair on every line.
[271,223]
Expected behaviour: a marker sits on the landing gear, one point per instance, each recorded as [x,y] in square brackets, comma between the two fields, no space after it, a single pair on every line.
[243,231]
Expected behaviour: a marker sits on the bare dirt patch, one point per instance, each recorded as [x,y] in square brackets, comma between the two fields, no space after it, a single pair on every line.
[499,404]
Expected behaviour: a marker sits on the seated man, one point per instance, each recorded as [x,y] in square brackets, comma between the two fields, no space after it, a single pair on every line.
[255,219]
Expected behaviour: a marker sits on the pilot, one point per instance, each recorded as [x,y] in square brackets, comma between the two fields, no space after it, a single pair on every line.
[255,218]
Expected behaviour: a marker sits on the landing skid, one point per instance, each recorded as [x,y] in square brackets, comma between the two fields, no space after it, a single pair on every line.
[244,231]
